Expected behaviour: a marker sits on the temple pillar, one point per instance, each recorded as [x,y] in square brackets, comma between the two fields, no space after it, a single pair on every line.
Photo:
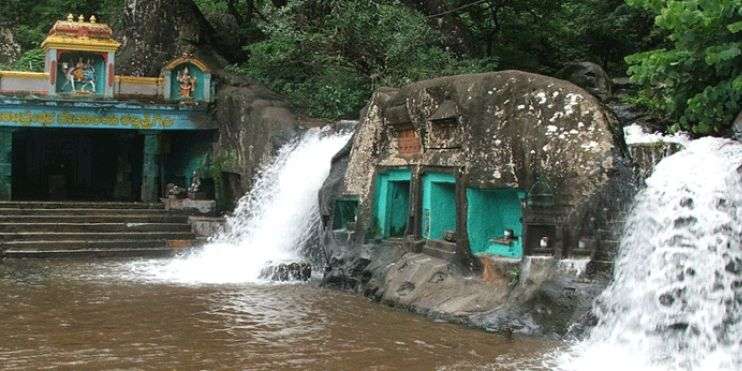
[6,164]
[151,167]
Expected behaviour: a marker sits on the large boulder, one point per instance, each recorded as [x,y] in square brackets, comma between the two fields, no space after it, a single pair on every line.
[513,128]
[493,131]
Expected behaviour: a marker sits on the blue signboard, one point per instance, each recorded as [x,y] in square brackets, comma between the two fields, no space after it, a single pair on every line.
[36,113]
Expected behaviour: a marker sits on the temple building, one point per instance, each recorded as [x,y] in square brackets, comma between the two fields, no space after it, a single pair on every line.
[79,131]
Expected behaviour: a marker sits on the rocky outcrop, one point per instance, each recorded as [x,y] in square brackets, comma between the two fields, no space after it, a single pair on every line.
[495,131]
[254,123]
[10,51]
[590,77]
[153,32]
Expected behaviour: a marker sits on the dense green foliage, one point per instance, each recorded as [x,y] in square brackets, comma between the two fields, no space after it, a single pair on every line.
[697,79]
[330,64]
[330,55]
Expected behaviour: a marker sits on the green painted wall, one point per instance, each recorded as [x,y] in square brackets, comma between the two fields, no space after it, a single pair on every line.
[6,164]
[392,202]
[438,205]
[490,212]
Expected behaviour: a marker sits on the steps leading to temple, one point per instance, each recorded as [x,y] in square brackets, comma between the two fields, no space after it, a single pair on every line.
[90,229]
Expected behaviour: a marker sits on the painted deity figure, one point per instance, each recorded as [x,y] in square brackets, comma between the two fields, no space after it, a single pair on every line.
[187,83]
[81,77]
[88,77]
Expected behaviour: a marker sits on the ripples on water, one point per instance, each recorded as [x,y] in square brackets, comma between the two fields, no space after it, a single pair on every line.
[104,315]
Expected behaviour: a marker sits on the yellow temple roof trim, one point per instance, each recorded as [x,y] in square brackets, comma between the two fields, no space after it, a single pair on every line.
[137,80]
[81,36]
[188,59]
[80,44]
[25,75]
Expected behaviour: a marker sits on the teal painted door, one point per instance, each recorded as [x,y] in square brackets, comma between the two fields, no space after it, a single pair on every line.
[392,200]
[490,213]
[438,205]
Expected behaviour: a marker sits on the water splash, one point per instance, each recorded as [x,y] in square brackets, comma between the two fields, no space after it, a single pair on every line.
[270,224]
[635,134]
[675,300]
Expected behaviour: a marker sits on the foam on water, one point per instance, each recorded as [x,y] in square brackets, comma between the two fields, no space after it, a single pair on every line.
[270,224]
[674,303]
[635,134]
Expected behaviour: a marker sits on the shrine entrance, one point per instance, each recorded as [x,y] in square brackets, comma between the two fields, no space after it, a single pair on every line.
[77,164]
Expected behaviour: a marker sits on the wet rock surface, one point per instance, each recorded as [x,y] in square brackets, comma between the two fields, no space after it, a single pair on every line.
[254,124]
[287,272]
[545,301]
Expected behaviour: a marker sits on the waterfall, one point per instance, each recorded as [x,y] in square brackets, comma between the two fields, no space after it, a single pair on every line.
[270,224]
[675,300]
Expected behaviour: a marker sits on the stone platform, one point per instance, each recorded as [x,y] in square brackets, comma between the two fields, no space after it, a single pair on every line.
[91,229]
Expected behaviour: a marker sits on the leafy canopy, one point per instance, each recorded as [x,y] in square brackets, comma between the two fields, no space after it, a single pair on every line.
[696,81]
[330,55]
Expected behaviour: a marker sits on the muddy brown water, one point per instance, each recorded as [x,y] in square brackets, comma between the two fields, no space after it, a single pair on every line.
[99,315]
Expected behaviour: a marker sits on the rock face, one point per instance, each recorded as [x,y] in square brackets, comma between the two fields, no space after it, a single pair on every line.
[153,32]
[590,77]
[10,51]
[255,122]
[480,137]
[287,272]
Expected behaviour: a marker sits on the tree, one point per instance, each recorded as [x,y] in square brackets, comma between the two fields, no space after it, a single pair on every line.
[330,55]
[697,79]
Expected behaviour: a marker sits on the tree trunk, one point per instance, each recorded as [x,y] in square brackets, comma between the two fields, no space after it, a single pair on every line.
[455,34]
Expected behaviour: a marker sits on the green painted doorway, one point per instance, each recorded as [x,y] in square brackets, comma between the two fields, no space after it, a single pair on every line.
[438,205]
[392,199]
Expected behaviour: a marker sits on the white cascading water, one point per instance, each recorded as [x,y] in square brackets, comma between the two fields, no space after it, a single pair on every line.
[676,297]
[270,224]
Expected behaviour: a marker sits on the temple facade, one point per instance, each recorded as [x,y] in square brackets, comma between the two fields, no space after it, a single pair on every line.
[79,131]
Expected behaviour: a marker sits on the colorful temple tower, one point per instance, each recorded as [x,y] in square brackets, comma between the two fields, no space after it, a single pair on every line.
[80,58]
[80,131]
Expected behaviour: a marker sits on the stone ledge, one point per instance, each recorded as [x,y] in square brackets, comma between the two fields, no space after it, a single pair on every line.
[206,207]
[206,226]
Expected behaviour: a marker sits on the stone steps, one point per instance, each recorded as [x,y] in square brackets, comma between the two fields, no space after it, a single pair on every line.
[94,236]
[439,249]
[96,211]
[78,205]
[90,229]
[82,217]
[94,227]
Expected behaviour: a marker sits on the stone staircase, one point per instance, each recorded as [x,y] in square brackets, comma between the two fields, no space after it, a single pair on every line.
[90,229]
